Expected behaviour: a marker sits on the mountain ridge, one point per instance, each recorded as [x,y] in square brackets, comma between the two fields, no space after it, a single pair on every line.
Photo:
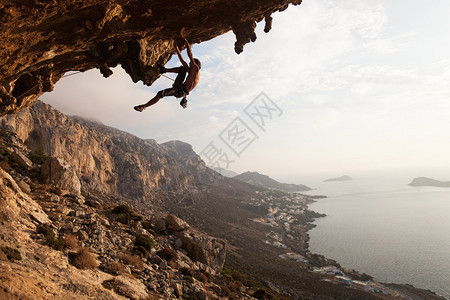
[262,180]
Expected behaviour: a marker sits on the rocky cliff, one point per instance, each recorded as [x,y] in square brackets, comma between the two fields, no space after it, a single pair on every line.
[108,160]
[42,40]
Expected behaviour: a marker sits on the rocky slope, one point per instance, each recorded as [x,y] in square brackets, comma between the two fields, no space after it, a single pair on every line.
[41,40]
[56,245]
[257,179]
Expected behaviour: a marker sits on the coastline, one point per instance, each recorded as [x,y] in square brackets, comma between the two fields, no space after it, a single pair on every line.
[406,291]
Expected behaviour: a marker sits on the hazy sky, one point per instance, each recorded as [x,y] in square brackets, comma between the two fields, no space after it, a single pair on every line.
[359,84]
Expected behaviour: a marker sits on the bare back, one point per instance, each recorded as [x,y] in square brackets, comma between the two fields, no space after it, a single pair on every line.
[193,77]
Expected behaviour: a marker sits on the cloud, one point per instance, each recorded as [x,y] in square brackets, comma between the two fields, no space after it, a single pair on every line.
[354,78]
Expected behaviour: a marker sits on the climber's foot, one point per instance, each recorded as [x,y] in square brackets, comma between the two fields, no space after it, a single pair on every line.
[183,103]
[139,108]
[161,68]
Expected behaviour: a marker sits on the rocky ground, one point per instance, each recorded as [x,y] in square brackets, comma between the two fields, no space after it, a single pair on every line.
[68,246]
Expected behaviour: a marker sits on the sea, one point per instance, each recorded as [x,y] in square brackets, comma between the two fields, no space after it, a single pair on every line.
[377,224]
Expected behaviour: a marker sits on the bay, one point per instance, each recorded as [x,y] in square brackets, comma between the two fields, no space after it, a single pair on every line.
[387,229]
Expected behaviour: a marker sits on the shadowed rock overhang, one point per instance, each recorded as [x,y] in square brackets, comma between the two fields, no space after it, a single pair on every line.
[42,40]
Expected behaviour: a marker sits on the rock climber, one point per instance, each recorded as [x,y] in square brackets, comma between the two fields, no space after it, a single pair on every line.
[179,88]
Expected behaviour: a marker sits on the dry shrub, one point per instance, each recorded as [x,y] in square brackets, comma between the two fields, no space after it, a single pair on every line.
[71,241]
[226,291]
[11,253]
[83,259]
[116,268]
[201,277]
[3,255]
[132,260]
[168,254]
[4,165]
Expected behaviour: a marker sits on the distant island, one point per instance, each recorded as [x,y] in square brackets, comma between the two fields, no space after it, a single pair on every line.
[342,178]
[424,181]
[258,179]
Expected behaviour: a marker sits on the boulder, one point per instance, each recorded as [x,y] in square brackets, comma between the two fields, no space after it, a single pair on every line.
[20,158]
[176,224]
[56,171]
[203,248]
[160,224]
[128,287]
[16,206]
[24,187]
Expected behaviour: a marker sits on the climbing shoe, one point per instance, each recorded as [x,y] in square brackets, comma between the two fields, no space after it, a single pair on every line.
[139,108]
[183,103]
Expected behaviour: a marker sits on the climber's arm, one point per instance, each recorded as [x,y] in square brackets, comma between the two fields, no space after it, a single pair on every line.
[181,58]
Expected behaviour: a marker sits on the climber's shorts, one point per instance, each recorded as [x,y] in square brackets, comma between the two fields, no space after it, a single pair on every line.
[178,89]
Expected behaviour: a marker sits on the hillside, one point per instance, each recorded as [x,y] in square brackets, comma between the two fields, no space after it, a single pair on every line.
[254,178]
[71,187]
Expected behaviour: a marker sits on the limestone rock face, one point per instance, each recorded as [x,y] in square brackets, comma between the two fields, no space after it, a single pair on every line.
[41,40]
[107,160]
[15,206]
[55,171]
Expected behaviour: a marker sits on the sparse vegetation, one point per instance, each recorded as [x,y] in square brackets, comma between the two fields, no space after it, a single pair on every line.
[263,295]
[125,214]
[143,244]
[147,225]
[38,157]
[11,253]
[122,209]
[132,260]
[116,268]
[124,218]
[50,237]
[168,254]
[71,241]
[83,259]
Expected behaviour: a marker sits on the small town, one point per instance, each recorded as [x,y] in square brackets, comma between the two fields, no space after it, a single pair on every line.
[290,219]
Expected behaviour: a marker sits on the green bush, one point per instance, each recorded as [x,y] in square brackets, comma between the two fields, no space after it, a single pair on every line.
[147,225]
[124,218]
[38,157]
[141,251]
[11,254]
[263,295]
[145,241]
[125,214]
[50,237]
[122,209]
[45,230]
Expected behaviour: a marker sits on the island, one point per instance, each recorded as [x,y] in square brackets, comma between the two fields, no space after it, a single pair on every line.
[424,181]
[342,178]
